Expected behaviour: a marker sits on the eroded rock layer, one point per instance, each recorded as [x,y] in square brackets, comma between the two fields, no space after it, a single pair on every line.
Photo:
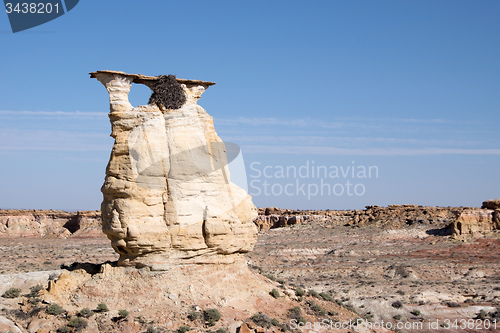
[167,194]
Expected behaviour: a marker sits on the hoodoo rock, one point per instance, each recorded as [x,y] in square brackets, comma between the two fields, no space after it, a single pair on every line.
[167,194]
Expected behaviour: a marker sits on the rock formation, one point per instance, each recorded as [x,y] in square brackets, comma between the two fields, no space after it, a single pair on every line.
[49,224]
[392,216]
[167,194]
[474,221]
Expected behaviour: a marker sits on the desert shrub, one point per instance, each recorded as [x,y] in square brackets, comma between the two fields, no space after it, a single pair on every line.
[397,317]
[270,277]
[34,291]
[262,320]
[482,315]
[275,322]
[34,300]
[54,309]
[77,323]
[416,312]
[326,297]
[151,329]
[318,309]
[280,281]
[295,312]
[123,313]
[193,315]
[310,302]
[63,329]
[183,329]
[86,313]
[211,316]
[12,293]
[332,313]
[275,293]
[168,92]
[302,320]
[397,305]
[400,292]
[101,307]
[300,292]
[313,293]
[221,330]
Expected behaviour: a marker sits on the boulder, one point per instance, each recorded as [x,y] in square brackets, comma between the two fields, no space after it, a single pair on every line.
[167,194]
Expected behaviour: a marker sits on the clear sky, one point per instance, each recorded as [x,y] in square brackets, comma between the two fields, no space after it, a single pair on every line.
[408,88]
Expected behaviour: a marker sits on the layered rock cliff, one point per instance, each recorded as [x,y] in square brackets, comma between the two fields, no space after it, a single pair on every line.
[167,194]
[49,224]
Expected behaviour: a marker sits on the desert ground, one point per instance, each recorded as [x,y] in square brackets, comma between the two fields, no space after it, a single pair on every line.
[406,273]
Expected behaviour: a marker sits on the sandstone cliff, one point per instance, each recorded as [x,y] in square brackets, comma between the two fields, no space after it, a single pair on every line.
[473,221]
[49,224]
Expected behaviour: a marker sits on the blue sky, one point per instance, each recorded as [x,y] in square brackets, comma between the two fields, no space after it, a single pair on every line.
[410,87]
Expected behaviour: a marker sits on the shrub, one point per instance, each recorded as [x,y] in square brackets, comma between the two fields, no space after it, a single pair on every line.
[302,320]
[326,297]
[34,291]
[77,323]
[397,305]
[295,312]
[221,330]
[300,292]
[63,329]
[270,277]
[318,309]
[275,293]
[313,293]
[262,320]
[275,322]
[280,281]
[482,315]
[310,302]
[193,315]
[211,316]
[101,307]
[183,329]
[123,313]
[86,312]
[34,300]
[54,309]
[397,317]
[151,329]
[453,304]
[12,293]
[416,312]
